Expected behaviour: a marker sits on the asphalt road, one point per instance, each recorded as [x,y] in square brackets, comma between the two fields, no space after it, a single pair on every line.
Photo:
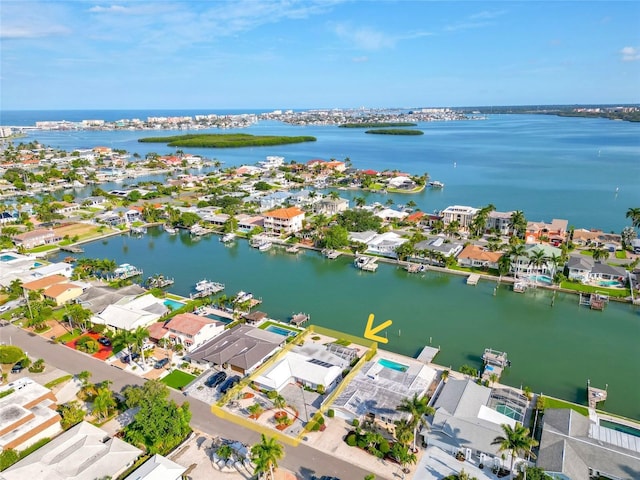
[303,460]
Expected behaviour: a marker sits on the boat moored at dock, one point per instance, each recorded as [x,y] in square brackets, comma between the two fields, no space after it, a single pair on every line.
[205,287]
[368,264]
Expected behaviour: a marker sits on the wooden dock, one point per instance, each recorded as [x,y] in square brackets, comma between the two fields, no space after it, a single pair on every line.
[368,264]
[595,395]
[595,301]
[427,354]
[415,267]
[72,249]
[330,254]
[299,319]
[473,279]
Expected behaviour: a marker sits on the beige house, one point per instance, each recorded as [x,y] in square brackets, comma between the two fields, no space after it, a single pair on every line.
[283,221]
[62,293]
[474,256]
[460,213]
[188,330]
[35,238]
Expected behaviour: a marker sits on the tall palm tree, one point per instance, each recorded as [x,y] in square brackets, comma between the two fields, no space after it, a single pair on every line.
[599,254]
[452,228]
[538,259]
[418,407]
[515,440]
[103,403]
[404,432]
[555,260]
[514,253]
[140,335]
[634,215]
[518,223]
[265,455]
[124,338]
[359,202]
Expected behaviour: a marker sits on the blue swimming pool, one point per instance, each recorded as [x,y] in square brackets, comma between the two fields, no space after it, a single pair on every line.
[620,428]
[218,318]
[488,368]
[541,279]
[280,331]
[399,367]
[610,283]
[7,258]
[37,264]
[173,304]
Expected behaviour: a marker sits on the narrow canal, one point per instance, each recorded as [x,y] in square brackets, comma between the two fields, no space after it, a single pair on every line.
[553,350]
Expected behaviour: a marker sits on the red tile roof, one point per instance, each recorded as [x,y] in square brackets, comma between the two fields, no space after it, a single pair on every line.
[414,217]
[44,282]
[284,213]
[187,323]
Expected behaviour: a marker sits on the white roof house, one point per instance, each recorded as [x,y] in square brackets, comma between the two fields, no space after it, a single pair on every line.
[139,312]
[157,468]
[389,214]
[83,452]
[379,243]
[311,364]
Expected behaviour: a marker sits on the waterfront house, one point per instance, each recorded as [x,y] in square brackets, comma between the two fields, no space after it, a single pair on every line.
[97,298]
[110,218]
[310,365]
[243,348]
[401,183]
[604,272]
[191,330]
[6,217]
[462,214]
[283,221]
[523,264]
[62,293]
[131,314]
[215,219]
[27,414]
[67,208]
[437,245]
[499,222]
[95,201]
[246,223]
[271,162]
[391,215]
[82,452]
[468,418]
[273,200]
[555,231]
[579,267]
[474,256]
[36,238]
[43,282]
[331,206]
[596,239]
[573,447]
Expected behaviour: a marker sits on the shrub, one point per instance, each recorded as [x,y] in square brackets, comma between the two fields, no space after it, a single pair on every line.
[320,389]
[271,394]
[384,447]
[8,458]
[330,413]
[38,366]
[351,439]
[316,337]
[355,422]
[87,344]
[320,420]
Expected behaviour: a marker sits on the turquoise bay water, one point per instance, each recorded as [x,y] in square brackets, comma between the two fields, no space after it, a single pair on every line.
[554,350]
[583,170]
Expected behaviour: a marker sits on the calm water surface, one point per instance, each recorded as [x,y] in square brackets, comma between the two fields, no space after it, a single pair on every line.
[553,349]
[583,170]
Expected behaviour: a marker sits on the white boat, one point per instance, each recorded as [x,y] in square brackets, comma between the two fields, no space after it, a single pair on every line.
[206,287]
[265,245]
[170,230]
[436,184]
[242,297]
[228,237]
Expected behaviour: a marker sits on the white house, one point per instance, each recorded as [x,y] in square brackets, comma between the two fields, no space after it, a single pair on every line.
[389,215]
[140,312]
[283,221]
[192,330]
[310,365]
[460,213]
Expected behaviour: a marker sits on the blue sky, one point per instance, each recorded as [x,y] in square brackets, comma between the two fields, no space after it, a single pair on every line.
[306,54]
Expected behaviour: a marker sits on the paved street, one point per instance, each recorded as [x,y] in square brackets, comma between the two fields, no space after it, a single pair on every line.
[303,460]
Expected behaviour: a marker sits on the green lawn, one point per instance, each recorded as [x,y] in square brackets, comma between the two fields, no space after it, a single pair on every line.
[178,379]
[266,325]
[557,403]
[579,287]
[67,337]
[43,248]
[621,254]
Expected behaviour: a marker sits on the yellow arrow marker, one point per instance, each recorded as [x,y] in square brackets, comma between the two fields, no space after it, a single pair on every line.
[370,331]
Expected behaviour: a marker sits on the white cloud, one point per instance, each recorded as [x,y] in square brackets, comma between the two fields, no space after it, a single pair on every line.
[630,54]
[360,59]
[366,38]
[33,31]
[487,14]
[110,9]
[477,20]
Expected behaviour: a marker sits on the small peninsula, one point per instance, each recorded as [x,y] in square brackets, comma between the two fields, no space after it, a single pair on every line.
[225,140]
[378,125]
[394,131]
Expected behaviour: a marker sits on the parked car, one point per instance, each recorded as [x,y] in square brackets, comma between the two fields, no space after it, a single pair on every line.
[161,363]
[215,379]
[17,368]
[130,358]
[104,341]
[229,384]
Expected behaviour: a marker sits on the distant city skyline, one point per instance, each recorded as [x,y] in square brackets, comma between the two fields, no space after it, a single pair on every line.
[316,54]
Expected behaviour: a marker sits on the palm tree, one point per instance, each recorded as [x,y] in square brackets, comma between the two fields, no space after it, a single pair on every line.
[140,335]
[634,215]
[452,228]
[515,440]
[359,202]
[124,338]
[265,455]
[417,407]
[437,226]
[103,403]
[518,223]
[555,260]
[599,254]
[514,253]
[538,259]
[279,402]
[77,314]
[404,432]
